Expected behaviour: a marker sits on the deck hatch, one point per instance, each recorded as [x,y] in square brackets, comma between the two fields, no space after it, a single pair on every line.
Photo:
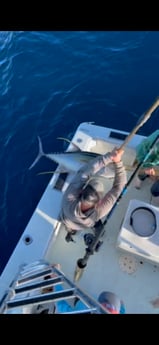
[139,232]
[117,135]
[143,221]
[60,181]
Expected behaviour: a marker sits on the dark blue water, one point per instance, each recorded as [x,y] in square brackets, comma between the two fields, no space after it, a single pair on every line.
[50,82]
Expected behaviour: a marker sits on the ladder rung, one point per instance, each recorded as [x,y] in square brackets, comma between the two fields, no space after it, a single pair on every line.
[45,283]
[35,275]
[49,297]
[37,264]
[84,311]
[27,270]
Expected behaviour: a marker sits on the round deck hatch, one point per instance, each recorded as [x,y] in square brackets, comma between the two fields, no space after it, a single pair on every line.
[143,221]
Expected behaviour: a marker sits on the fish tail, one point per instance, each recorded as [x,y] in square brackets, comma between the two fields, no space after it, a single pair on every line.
[40,154]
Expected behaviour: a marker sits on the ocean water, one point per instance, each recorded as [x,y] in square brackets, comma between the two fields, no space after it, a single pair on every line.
[50,82]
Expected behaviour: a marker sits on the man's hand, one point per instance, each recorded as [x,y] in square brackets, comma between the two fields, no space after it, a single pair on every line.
[116,155]
[150,171]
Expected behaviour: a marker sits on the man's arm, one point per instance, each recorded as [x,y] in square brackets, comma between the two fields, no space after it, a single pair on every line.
[106,204]
[98,163]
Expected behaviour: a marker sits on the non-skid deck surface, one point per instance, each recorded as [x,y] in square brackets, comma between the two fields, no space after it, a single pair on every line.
[112,269]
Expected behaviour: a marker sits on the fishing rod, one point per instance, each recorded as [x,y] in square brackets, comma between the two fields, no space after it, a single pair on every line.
[99,226]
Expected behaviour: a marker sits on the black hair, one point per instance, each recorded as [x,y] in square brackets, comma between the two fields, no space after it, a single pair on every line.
[89,194]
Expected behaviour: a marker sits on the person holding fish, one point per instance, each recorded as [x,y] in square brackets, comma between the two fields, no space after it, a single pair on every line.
[87,200]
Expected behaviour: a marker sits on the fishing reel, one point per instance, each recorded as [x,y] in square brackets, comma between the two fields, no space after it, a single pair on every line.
[88,239]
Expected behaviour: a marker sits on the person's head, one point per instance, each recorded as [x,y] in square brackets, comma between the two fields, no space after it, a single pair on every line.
[111,302]
[89,195]
[92,192]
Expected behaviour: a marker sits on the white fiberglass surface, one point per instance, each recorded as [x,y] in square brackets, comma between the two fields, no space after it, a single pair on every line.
[112,269]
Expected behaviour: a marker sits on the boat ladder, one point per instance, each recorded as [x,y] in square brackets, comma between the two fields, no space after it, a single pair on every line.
[39,287]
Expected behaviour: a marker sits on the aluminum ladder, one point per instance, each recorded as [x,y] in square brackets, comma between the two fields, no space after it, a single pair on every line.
[34,291]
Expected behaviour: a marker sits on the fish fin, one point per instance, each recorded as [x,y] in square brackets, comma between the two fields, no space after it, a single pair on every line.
[40,154]
[65,139]
[69,141]
[87,156]
[52,172]
[45,172]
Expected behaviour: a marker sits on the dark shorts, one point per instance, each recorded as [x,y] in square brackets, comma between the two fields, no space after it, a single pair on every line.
[155,188]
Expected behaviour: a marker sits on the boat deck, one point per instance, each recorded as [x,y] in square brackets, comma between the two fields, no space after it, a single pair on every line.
[130,276]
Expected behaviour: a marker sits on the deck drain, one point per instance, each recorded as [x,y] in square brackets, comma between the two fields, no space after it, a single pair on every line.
[28,239]
[128,264]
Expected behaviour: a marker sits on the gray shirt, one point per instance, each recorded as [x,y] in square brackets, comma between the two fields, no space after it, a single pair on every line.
[71,214]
